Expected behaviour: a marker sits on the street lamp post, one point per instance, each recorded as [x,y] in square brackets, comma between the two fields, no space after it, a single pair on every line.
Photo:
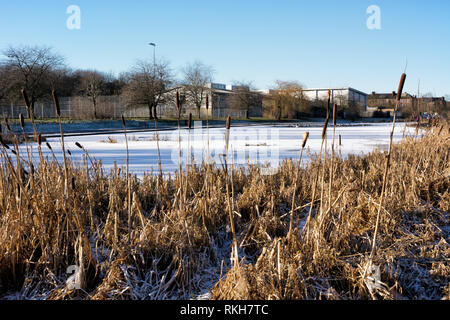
[154,52]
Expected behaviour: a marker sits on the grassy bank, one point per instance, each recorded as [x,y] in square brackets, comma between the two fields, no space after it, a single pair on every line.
[171,238]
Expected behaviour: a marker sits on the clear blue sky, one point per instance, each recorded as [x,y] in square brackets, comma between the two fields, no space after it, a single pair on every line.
[319,43]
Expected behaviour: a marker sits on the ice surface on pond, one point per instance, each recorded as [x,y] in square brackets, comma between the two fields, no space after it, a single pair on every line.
[253,144]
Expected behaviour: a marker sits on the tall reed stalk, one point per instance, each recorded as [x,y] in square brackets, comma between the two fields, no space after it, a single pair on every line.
[291,222]
[128,180]
[188,157]
[385,176]
[235,257]
[316,180]
[332,156]
[66,170]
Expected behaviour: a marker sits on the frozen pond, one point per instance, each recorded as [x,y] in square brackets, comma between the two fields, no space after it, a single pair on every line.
[256,144]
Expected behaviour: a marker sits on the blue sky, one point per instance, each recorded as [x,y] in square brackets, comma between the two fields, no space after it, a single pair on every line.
[319,43]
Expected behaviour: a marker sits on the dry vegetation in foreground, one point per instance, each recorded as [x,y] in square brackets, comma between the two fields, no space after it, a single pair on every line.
[173,240]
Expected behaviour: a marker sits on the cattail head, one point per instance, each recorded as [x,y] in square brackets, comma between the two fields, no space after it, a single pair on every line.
[49,146]
[325,127]
[39,139]
[207,102]
[228,123]
[178,100]
[334,114]
[78,145]
[400,86]
[123,121]
[22,121]
[69,152]
[56,102]
[7,123]
[340,140]
[25,98]
[190,121]
[305,140]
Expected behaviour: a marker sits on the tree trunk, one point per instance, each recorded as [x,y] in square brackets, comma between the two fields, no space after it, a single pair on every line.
[155,116]
[150,112]
[95,109]
[199,114]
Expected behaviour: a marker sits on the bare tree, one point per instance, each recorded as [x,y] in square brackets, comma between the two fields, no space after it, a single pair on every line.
[196,77]
[32,67]
[92,85]
[147,84]
[244,97]
[6,81]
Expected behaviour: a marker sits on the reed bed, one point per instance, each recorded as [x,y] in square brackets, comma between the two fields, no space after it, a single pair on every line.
[229,232]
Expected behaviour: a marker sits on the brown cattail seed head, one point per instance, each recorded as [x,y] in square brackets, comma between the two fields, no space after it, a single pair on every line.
[39,139]
[207,102]
[334,114]
[325,127]
[78,145]
[400,86]
[228,123]
[340,140]
[49,146]
[25,98]
[68,151]
[56,102]
[190,121]
[123,121]
[7,124]
[305,139]
[22,121]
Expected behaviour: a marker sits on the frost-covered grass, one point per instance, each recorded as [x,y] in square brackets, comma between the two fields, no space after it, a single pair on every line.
[172,239]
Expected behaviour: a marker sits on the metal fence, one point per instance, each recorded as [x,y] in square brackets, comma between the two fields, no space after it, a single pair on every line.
[111,107]
[76,108]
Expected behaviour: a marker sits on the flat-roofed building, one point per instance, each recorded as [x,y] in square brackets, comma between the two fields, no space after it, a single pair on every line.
[347,96]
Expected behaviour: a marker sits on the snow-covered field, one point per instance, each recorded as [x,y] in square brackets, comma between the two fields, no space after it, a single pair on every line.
[256,144]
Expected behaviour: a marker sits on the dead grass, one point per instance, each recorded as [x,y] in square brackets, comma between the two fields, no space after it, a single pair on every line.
[179,249]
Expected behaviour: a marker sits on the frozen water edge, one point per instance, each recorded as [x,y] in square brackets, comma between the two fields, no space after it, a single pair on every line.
[256,144]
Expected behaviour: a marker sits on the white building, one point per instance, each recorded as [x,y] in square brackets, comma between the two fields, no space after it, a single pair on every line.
[340,96]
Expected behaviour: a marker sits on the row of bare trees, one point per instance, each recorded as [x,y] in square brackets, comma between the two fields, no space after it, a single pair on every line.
[148,83]
[39,70]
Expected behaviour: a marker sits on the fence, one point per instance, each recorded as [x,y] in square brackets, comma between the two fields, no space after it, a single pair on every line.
[76,108]
[111,107]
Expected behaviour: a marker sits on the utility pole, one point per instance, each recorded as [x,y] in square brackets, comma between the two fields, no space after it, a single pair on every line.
[154,52]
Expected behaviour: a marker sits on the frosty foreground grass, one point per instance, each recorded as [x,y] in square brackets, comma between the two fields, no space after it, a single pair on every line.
[180,241]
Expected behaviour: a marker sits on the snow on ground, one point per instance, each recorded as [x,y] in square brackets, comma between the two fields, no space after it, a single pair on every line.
[256,144]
